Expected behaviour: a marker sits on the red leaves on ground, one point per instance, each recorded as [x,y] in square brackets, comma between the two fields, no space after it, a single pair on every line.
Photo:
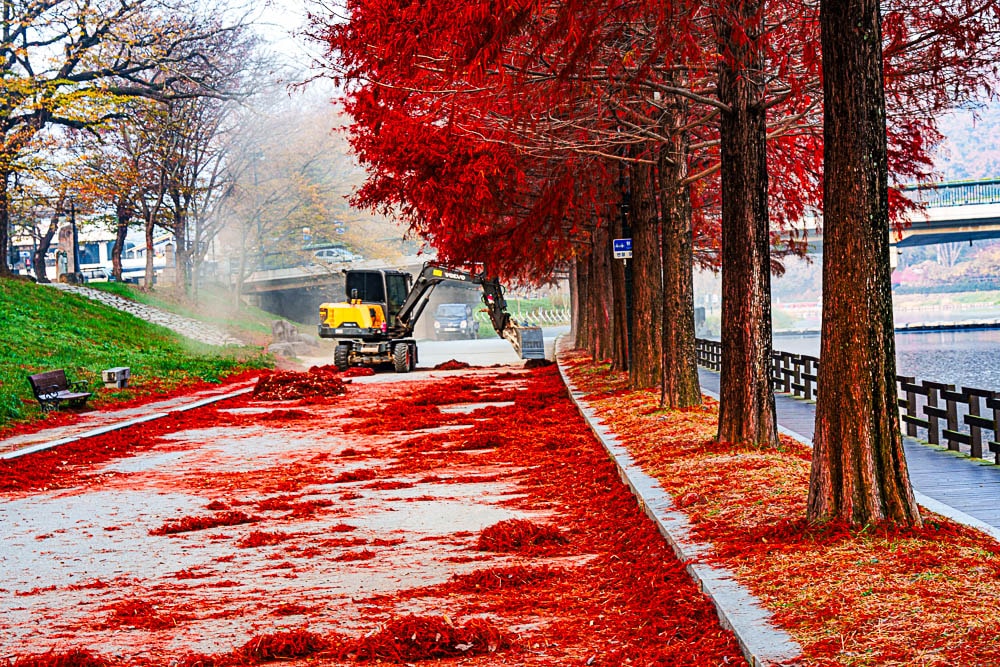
[281,646]
[260,538]
[499,578]
[293,385]
[480,441]
[616,559]
[414,638]
[451,365]
[347,556]
[282,415]
[296,509]
[141,614]
[400,416]
[76,658]
[191,523]
[357,371]
[517,534]
[360,475]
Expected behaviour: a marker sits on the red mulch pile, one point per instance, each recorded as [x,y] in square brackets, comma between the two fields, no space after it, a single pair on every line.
[280,646]
[141,614]
[451,365]
[498,578]
[414,638]
[67,659]
[357,371]
[516,534]
[319,381]
[191,523]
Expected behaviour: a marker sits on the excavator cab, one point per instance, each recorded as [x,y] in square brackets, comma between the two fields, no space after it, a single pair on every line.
[386,288]
[373,301]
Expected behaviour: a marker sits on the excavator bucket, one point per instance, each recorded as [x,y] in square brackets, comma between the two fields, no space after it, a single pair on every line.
[530,343]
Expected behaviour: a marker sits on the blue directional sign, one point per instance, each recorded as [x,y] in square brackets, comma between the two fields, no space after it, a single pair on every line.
[622,248]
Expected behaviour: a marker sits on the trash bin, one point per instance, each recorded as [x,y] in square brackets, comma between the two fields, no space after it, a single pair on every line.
[116,378]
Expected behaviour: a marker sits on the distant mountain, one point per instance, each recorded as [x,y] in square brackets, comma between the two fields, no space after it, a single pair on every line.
[971,149]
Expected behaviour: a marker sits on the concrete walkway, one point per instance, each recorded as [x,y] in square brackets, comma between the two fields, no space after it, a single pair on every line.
[96,422]
[966,490]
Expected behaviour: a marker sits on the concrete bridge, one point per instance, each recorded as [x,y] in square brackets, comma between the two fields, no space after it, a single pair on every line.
[296,292]
[326,275]
[956,212]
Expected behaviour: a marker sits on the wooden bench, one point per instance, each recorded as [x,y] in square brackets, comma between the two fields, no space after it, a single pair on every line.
[52,388]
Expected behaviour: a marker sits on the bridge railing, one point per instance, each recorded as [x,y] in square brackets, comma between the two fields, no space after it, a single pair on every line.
[955,193]
[963,419]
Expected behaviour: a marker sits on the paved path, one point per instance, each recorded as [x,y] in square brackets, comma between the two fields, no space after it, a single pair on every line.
[193,329]
[967,485]
[95,422]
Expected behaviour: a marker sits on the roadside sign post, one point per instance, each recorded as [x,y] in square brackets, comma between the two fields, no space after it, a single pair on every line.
[622,248]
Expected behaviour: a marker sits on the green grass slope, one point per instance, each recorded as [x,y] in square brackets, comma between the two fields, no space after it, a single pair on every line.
[46,329]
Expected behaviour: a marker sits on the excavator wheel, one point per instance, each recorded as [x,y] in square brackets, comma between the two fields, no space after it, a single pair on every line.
[402,358]
[340,356]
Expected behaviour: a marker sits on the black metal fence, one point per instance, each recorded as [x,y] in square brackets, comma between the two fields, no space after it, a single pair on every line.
[964,419]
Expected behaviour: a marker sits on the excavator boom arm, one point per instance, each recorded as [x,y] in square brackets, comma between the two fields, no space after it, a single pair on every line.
[496,305]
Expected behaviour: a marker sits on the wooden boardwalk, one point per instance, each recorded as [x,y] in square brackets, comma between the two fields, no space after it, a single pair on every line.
[970,486]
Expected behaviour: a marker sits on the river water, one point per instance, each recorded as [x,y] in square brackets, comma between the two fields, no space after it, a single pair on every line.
[967,358]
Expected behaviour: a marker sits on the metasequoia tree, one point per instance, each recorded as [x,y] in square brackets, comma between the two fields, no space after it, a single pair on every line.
[746,402]
[934,57]
[859,474]
[68,63]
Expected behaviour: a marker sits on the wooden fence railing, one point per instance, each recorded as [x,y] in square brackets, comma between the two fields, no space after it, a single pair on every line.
[964,419]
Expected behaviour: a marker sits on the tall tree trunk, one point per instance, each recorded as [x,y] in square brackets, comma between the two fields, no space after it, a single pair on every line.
[600,287]
[619,287]
[45,240]
[5,270]
[647,285]
[42,249]
[679,387]
[123,215]
[584,327]
[746,403]
[182,253]
[593,302]
[147,282]
[859,472]
[574,301]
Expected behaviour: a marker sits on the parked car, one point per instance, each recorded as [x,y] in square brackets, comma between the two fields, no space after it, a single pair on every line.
[97,275]
[335,255]
[455,320]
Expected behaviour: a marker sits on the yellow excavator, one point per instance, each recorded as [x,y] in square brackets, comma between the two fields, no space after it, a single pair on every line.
[375,325]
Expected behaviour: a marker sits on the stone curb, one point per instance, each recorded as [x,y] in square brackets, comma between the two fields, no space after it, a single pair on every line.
[108,428]
[762,644]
